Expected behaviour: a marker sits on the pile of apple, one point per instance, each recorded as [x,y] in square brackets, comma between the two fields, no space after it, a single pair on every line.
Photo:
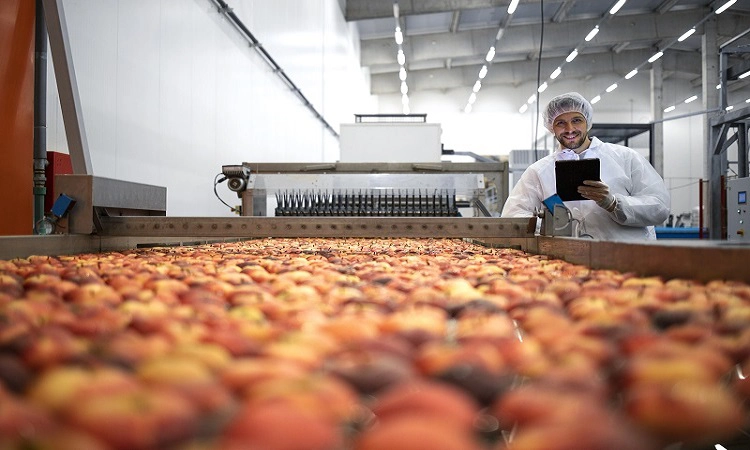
[364,344]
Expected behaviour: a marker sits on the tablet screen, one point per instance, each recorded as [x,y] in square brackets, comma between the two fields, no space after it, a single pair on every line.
[569,174]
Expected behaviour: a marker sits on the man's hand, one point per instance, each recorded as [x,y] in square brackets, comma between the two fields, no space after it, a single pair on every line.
[598,191]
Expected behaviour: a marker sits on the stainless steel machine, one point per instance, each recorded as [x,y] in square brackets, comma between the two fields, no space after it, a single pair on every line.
[738,212]
[444,189]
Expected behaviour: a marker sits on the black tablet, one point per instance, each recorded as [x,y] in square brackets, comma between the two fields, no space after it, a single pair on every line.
[570,173]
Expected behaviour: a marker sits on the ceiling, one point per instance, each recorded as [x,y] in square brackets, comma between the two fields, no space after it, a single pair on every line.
[446,41]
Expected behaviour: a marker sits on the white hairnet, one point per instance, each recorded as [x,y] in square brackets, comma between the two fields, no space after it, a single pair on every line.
[570,102]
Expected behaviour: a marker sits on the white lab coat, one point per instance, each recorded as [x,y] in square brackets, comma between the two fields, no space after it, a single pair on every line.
[642,198]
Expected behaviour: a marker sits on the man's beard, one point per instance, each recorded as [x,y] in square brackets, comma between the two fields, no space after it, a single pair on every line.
[574,144]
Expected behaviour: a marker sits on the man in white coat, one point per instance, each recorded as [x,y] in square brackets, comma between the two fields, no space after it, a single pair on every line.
[626,204]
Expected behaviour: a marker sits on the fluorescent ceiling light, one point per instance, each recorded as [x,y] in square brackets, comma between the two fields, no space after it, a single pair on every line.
[744,75]
[400,57]
[656,56]
[726,6]
[612,87]
[402,74]
[718,86]
[467,109]
[490,54]
[747,101]
[406,109]
[543,87]
[617,7]
[399,36]
[472,98]
[512,7]
[499,34]
[592,33]
[691,99]
[405,99]
[596,99]
[556,73]
[404,87]
[477,86]
[631,74]
[572,55]
[395,9]
[523,108]
[670,109]
[531,99]
[482,72]
[686,34]
[729,108]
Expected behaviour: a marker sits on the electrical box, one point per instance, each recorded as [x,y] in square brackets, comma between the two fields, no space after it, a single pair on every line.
[738,212]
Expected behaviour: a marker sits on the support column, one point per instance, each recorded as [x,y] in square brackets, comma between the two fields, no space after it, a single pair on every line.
[17,116]
[716,159]
[657,112]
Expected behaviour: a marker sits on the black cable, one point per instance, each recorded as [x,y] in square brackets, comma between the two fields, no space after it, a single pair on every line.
[216,182]
[539,77]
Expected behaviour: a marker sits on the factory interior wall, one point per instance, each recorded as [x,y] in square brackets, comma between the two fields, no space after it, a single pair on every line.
[495,126]
[17,116]
[170,91]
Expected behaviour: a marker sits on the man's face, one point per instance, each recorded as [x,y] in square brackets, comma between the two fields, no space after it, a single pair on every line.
[570,130]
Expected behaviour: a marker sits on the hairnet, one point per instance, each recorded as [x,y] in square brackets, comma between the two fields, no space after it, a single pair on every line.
[570,102]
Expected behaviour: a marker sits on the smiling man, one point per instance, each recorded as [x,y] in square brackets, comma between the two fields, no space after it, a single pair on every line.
[626,204]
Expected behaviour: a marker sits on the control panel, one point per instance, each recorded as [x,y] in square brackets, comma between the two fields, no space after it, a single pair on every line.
[738,210]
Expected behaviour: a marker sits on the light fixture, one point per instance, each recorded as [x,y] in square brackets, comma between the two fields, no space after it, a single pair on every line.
[395,9]
[729,108]
[747,101]
[718,86]
[631,74]
[572,55]
[523,108]
[406,109]
[467,109]
[596,99]
[399,36]
[512,7]
[656,56]
[483,72]
[617,7]
[472,98]
[612,87]
[531,99]
[490,54]
[592,33]
[725,6]
[401,57]
[404,87]
[556,73]
[402,74]
[686,34]
[744,75]
[669,109]
[404,99]
[543,87]
[691,99]
[477,86]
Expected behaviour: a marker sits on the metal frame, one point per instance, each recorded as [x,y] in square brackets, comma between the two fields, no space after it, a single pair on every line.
[67,86]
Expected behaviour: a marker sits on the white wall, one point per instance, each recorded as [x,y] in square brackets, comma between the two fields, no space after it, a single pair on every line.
[170,92]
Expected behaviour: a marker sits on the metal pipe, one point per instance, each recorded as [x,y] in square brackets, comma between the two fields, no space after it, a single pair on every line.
[40,112]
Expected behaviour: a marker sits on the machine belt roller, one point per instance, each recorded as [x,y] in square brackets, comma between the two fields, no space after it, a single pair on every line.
[368,202]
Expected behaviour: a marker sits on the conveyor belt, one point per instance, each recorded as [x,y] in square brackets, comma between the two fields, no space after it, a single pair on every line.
[340,227]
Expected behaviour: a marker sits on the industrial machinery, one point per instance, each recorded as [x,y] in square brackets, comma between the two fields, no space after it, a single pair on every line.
[444,189]
[738,213]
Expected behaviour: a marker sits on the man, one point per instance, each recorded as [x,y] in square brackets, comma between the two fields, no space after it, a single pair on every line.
[625,205]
